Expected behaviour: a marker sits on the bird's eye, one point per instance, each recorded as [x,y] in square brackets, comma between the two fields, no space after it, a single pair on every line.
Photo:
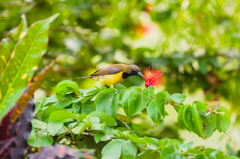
[132,70]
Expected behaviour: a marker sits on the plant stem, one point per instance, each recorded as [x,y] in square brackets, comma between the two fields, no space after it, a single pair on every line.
[178,105]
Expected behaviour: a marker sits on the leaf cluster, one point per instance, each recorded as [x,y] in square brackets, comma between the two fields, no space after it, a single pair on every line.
[93,118]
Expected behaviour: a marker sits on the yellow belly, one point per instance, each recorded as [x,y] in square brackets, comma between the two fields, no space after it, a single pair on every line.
[109,79]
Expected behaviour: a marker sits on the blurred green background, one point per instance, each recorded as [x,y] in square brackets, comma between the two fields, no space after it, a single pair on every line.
[194,42]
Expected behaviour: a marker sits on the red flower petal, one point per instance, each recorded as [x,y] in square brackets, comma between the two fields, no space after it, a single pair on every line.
[153,77]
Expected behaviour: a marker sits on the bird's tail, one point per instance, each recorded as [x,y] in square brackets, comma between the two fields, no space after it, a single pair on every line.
[84,77]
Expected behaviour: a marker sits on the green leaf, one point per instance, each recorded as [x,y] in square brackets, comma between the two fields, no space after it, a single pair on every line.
[47,112]
[92,120]
[144,97]
[209,122]
[91,91]
[200,156]
[81,142]
[160,101]
[186,146]
[200,106]
[105,103]
[214,154]
[113,149]
[197,121]
[187,117]
[180,118]
[122,134]
[192,151]
[64,103]
[150,140]
[82,116]
[54,127]
[163,143]
[209,125]
[129,150]
[148,154]
[167,153]
[223,120]
[27,54]
[98,136]
[62,116]
[103,92]
[80,128]
[125,102]
[51,100]
[115,105]
[82,99]
[7,45]
[136,139]
[133,101]
[88,107]
[64,87]
[122,89]
[152,111]
[39,124]
[178,97]
[174,143]
[104,118]
[76,106]
[151,91]
[39,105]
[40,141]
[101,137]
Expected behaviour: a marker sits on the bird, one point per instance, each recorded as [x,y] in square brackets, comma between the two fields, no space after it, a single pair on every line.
[114,74]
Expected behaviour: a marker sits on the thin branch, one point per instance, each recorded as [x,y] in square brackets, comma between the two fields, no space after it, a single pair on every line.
[178,105]
[89,134]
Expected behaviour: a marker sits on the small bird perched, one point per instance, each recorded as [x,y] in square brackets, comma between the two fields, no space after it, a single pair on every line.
[114,74]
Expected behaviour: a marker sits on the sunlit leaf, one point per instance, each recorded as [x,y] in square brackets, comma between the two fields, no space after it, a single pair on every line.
[160,101]
[178,98]
[197,120]
[105,103]
[62,116]
[53,127]
[223,120]
[27,54]
[7,45]
[129,150]
[47,112]
[64,87]
[152,111]
[104,118]
[187,117]
[40,140]
[113,149]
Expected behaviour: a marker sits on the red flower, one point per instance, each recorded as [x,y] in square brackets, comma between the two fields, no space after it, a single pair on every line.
[153,77]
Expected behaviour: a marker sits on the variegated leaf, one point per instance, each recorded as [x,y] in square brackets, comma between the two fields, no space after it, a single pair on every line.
[7,44]
[24,61]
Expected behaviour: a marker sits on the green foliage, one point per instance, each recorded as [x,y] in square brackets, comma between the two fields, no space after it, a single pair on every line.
[64,87]
[137,97]
[192,42]
[114,135]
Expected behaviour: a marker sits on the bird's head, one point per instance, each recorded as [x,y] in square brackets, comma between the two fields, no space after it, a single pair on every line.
[129,70]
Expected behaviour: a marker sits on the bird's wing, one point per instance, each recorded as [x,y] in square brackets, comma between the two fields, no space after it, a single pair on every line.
[113,69]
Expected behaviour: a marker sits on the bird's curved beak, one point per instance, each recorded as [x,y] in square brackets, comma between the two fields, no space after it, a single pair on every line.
[139,73]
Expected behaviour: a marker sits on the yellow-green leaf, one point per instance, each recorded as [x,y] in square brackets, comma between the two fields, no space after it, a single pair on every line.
[24,61]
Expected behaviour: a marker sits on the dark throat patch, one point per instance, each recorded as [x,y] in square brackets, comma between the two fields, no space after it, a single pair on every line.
[126,75]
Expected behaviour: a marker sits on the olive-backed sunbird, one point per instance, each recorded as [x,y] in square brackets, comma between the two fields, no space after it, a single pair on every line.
[114,74]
